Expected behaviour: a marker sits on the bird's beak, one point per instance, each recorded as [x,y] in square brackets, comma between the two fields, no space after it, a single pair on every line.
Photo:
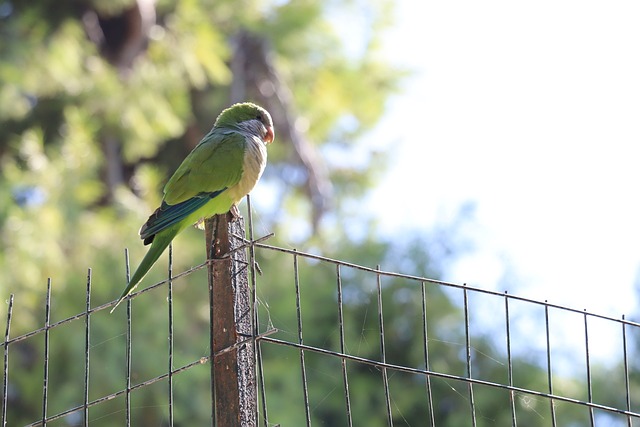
[268,138]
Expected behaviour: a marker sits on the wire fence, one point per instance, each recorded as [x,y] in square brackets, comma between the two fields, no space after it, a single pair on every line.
[394,353]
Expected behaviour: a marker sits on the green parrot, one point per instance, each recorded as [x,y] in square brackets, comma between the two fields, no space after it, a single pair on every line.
[220,171]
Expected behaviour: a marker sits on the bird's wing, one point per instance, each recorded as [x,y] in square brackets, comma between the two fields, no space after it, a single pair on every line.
[215,164]
[212,167]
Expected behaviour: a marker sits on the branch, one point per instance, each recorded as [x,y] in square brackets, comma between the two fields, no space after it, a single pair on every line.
[259,72]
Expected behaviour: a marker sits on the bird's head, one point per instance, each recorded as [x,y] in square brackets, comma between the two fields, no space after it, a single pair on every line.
[248,116]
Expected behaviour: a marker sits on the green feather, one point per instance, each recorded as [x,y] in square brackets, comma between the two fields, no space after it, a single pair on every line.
[216,163]
[160,243]
[167,215]
[161,240]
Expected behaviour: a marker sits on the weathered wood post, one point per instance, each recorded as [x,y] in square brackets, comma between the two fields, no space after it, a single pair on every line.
[233,379]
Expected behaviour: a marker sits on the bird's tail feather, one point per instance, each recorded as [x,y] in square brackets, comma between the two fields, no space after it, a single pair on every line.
[160,243]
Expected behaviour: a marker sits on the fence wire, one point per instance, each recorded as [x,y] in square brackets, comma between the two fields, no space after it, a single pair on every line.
[622,415]
[391,357]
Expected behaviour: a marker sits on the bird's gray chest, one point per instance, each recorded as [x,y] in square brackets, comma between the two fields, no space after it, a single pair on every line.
[255,160]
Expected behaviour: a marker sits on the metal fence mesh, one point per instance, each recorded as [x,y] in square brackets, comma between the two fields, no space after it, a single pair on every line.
[527,406]
[389,357]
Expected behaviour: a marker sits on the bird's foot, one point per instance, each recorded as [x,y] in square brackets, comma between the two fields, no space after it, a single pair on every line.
[200,224]
[235,213]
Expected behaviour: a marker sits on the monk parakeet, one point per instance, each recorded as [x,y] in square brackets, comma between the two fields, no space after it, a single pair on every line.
[220,171]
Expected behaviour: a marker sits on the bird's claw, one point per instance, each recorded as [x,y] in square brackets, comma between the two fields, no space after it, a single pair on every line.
[235,213]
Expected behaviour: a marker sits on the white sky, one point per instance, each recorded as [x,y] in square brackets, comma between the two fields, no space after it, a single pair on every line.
[531,110]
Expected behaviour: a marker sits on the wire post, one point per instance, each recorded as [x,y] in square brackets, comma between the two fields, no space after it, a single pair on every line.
[45,382]
[127,395]
[87,348]
[5,376]
[472,405]
[170,314]
[257,348]
[592,419]
[626,370]
[512,397]
[305,389]
[383,352]
[233,391]
[343,347]
[549,375]
[427,366]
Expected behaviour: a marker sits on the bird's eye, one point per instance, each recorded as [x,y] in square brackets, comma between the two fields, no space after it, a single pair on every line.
[259,117]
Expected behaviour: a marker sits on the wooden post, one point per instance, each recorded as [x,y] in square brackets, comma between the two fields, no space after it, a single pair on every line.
[233,389]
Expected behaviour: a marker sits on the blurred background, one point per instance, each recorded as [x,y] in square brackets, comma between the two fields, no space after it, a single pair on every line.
[485,143]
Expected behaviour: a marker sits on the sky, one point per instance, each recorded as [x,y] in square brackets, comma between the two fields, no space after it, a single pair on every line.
[531,111]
